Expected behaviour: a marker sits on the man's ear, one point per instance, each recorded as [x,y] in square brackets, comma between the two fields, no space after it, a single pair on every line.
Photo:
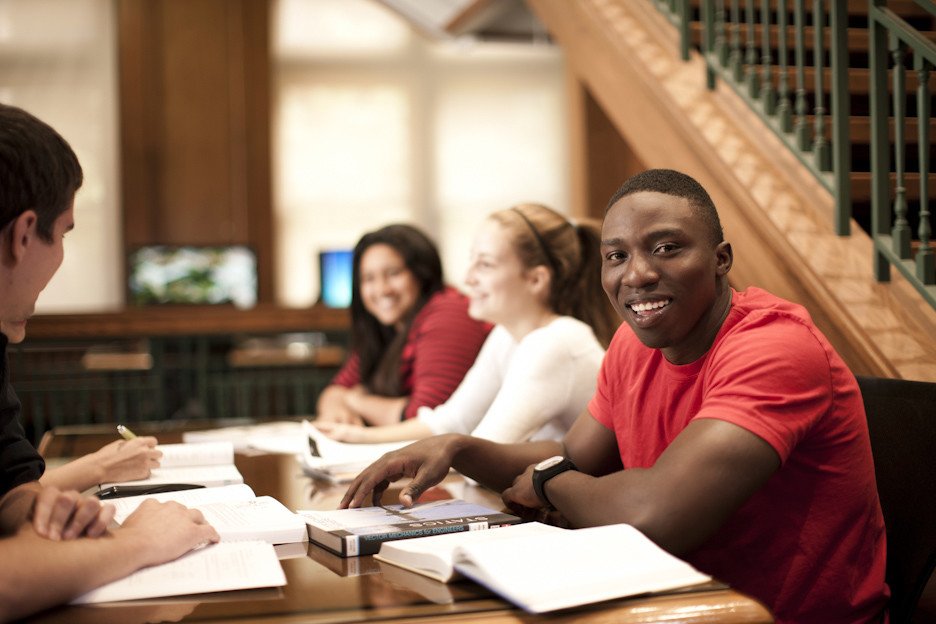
[724,258]
[22,234]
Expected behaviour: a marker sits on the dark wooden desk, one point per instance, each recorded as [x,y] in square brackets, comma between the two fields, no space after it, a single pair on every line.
[324,588]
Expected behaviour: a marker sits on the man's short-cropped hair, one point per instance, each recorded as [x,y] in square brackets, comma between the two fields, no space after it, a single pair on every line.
[38,170]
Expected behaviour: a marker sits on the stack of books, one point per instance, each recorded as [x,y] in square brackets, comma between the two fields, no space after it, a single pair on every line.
[354,532]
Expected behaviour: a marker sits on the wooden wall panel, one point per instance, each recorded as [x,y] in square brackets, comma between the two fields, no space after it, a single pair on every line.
[198,116]
[195,125]
[601,158]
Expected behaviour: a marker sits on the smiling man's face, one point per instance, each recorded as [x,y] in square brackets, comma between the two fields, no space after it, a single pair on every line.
[663,273]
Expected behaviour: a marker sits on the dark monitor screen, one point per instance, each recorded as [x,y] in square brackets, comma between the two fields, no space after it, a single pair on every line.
[336,268]
[162,274]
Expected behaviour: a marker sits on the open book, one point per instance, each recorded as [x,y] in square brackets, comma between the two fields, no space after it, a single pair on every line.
[574,567]
[432,555]
[335,461]
[361,531]
[219,567]
[234,512]
[207,463]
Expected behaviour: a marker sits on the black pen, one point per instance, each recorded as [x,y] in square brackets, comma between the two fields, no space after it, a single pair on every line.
[119,491]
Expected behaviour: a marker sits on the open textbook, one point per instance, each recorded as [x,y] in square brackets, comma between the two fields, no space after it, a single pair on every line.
[219,567]
[336,461]
[208,463]
[234,511]
[573,567]
[432,555]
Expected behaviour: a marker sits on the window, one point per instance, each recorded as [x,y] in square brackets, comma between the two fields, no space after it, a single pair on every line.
[58,61]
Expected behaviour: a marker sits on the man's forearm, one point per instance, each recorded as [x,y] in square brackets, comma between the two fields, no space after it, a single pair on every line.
[16,506]
[48,573]
[497,465]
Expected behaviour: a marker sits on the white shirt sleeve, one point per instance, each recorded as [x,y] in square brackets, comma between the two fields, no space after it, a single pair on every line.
[549,380]
[474,395]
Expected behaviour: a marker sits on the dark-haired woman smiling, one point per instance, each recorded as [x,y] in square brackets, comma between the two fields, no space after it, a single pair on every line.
[412,340]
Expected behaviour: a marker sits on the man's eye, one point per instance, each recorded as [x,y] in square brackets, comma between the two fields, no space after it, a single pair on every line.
[666,248]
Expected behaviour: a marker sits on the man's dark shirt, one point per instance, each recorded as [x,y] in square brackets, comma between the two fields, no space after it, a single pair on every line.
[19,461]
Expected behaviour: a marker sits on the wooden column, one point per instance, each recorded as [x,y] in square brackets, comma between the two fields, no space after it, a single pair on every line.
[601,158]
[195,117]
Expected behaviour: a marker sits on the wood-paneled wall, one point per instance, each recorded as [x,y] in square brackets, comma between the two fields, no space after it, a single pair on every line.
[194,118]
[601,159]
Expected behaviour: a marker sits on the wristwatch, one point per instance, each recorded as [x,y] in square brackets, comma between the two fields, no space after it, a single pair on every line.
[546,470]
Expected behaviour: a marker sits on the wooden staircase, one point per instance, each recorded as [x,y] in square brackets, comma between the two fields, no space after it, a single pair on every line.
[637,104]
[859,89]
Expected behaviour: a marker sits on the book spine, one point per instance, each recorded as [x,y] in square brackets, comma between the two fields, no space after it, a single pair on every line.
[355,545]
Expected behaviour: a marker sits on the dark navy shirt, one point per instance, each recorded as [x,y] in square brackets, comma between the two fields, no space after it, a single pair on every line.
[19,461]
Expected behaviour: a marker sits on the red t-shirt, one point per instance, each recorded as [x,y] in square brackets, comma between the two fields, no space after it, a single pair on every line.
[810,543]
[442,344]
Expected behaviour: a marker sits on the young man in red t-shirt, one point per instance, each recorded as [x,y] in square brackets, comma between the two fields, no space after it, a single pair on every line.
[724,426]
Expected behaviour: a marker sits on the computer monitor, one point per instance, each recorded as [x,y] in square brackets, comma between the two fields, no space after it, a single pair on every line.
[336,268]
[164,274]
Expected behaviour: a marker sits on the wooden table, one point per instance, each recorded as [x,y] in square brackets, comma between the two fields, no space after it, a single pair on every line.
[324,588]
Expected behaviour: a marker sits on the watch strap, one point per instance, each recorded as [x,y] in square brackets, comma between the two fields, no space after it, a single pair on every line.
[541,476]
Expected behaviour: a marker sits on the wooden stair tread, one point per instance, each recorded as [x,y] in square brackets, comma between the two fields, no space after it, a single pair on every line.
[852,7]
[856,38]
[859,80]
[861,185]
[860,129]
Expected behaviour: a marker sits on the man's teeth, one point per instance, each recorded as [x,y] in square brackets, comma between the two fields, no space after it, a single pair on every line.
[649,305]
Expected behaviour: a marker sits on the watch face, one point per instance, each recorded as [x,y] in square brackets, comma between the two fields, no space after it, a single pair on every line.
[549,463]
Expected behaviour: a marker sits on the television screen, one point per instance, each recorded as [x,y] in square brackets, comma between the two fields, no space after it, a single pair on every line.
[335,272]
[163,274]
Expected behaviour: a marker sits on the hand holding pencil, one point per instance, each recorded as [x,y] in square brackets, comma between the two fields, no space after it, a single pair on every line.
[128,459]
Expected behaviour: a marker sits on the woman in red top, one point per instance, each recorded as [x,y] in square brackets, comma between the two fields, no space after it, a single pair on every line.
[412,340]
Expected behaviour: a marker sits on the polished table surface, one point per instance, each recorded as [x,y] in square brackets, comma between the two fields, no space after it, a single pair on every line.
[325,588]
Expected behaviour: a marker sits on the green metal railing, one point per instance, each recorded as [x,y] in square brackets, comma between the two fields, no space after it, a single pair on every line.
[752,47]
[891,36]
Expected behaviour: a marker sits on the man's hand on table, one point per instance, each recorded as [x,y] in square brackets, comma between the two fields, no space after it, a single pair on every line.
[426,462]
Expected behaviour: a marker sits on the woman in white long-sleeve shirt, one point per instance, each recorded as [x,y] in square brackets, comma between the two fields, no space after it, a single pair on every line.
[536,276]
[522,390]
